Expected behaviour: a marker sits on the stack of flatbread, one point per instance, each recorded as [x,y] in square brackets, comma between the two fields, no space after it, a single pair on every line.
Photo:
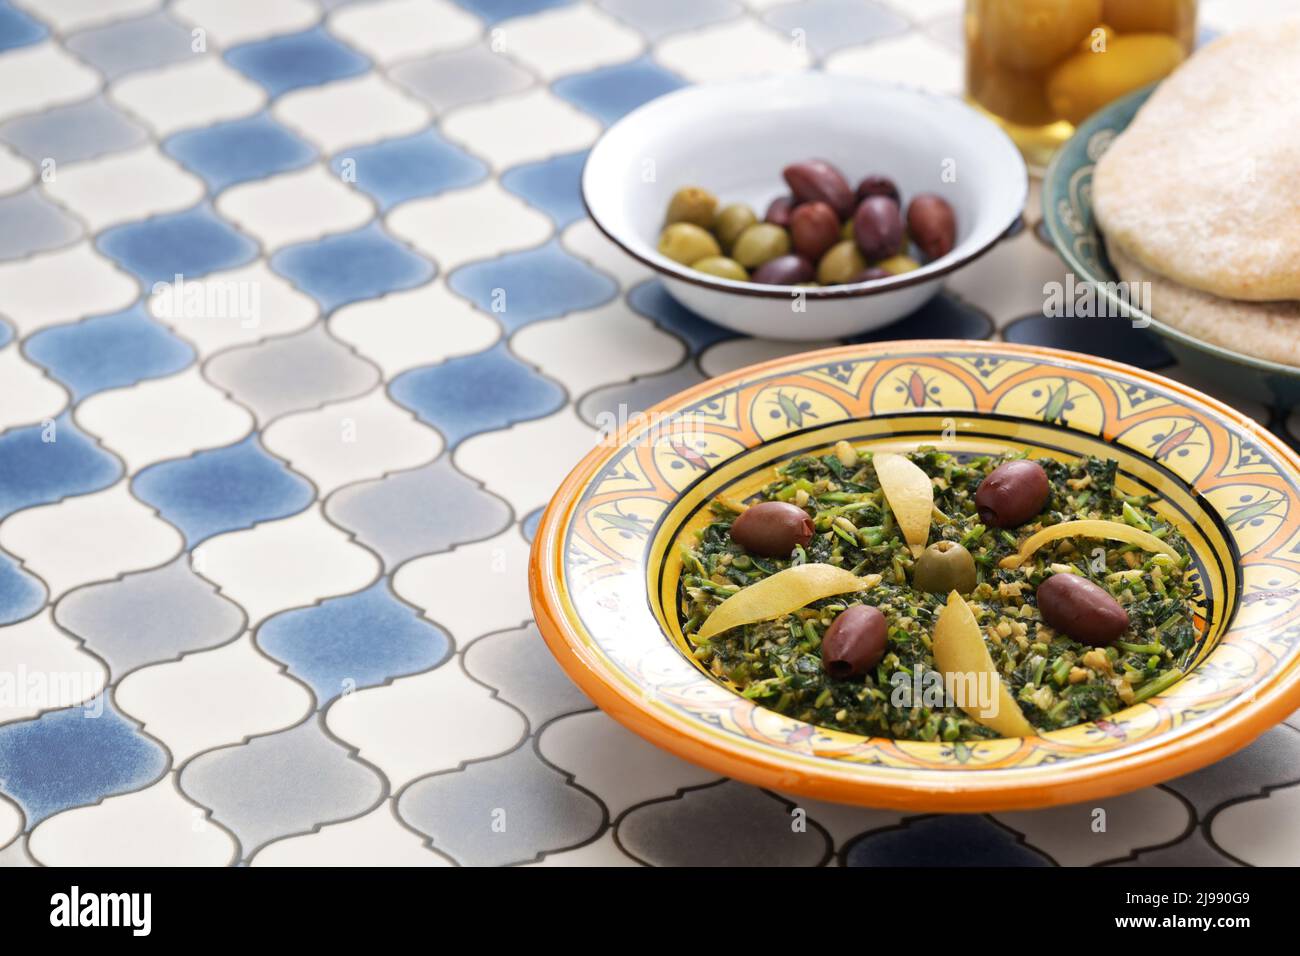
[1200,196]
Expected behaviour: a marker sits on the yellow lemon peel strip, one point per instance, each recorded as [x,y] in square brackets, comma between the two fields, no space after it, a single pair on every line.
[969,674]
[1088,528]
[783,592]
[910,495]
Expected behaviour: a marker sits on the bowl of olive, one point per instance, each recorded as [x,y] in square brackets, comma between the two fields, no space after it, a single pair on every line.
[806,207]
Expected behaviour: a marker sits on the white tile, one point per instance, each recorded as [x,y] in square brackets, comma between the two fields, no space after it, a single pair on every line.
[731,50]
[923,11]
[225,309]
[89,538]
[587,242]
[62,286]
[423,326]
[125,187]
[737,353]
[922,61]
[187,704]
[481,222]
[30,396]
[15,172]
[517,129]
[195,93]
[378,721]
[569,39]
[393,30]
[45,670]
[155,826]
[350,441]
[376,839]
[1228,15]
[350,112]
[229,22]
[37,77]
[69,15]
[164,418]
[550,445]
[289,563]
[295,207]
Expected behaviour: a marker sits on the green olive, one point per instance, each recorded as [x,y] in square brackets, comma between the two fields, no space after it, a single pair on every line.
[685,242]
[944,566]
[731,221]
[841,263]
[692,204]
[722,267]
[760,243]
[846,230]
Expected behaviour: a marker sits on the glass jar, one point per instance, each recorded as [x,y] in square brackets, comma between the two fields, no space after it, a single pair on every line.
[1039,67]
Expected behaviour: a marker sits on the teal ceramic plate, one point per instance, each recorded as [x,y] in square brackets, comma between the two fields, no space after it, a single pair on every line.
[1067,213]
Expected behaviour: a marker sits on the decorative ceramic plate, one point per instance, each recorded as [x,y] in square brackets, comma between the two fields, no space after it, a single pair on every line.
[605,564]
[1068,217]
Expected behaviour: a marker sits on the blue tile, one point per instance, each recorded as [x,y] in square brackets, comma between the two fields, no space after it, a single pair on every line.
[238,151]
[6,333]
[190,243]
[539,283]
[141,43]
[552,185]
[830,25]
[652,300]
[296,60]
[222,489]
[69,758]
[476,393]
[662,17]
[359,640]
[17,28]
[941,842]
[108,351]
[402,169]
[528,526]
[943,317]
[40,464]
[356,265]
[611,91]
[21,595]
[1112,338]
[33,224]
[494,10]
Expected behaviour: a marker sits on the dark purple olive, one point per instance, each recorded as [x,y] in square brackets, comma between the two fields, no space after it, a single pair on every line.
[784,270]
[878,228]
[932,225]
[1080,609]
[814,228]
[878,186]
[854,643]
[778,213]
[871,274]
[1012,493]
[771,529]
[816,179]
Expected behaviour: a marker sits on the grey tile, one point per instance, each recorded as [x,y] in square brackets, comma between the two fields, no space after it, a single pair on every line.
[292,373]
[1272,760]
[68,134]
[448,80]
[33,224]
[508,809]
[830,25]
[428,509]
[137,44]
[638,395]
[670,16]
[1195,851]
[728,824]
[281,784]
[518,665]
[149,617]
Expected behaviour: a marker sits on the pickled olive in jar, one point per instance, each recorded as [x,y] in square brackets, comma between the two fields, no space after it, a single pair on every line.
[1012,493]
[1086,82]
[814,228]
[687,243]
[1033,34]
[854,643]
[785,270]
[945,566]
[731,221]
[816,179]
[760,243]
[877,186]
[722,267]
[1148,16]
[840,264]
[1014,95]
[692,204]
[878,227]
[1081,609]
[771,529]
[932,225]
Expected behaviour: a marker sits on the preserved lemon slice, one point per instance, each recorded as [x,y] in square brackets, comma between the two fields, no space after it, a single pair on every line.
[969,674]
[783,592]
[910,495]
[1090,528]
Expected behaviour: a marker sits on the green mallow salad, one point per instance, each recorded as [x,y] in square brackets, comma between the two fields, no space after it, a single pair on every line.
[926,596]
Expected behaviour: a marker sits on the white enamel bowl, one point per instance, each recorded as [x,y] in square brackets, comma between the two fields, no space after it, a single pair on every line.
[735,138]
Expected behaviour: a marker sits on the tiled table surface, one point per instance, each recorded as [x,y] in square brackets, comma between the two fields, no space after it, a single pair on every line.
[262,561]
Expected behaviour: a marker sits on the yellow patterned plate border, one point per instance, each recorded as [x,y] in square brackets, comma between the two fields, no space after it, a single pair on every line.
[604,563]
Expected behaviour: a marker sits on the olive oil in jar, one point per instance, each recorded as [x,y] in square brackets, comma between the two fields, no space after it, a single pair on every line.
[1040,67]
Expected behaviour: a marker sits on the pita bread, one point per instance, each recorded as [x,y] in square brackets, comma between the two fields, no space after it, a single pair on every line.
[1266,330]
[1204,185]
